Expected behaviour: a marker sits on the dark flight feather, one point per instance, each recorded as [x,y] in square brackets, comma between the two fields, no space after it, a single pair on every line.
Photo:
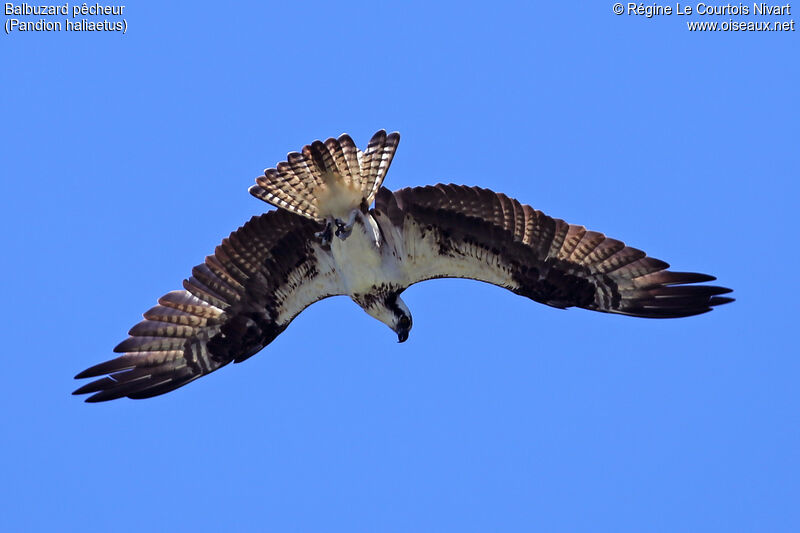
[266,272]
[477,233]
[228,312]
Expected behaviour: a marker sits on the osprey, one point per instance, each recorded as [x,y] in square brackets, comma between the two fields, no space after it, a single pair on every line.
[324,240]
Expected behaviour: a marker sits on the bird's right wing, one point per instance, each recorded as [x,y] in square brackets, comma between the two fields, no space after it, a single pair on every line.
[453,231]
[234,304]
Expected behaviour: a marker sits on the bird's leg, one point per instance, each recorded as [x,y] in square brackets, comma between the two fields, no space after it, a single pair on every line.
[343,230]
[326,235]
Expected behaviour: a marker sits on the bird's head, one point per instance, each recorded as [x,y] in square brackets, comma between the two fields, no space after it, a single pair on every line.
[390,309]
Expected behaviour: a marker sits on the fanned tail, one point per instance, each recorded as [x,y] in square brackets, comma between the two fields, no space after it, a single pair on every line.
[328,178]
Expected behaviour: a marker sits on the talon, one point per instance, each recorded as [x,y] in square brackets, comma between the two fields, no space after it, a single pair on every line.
[326,235]
[343,230]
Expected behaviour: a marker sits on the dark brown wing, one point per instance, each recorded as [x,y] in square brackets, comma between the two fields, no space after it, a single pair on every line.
[469,232]
[235,303]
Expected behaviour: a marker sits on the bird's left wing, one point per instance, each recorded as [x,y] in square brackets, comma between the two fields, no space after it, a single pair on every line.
[453,231]
[235,303]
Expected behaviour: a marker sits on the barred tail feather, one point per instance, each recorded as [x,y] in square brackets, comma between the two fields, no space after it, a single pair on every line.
[375,162]
[328,178]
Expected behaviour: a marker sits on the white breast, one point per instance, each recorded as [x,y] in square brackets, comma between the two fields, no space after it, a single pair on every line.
[361,261]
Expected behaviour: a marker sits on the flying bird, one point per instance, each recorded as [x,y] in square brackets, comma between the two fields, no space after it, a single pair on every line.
[326,240]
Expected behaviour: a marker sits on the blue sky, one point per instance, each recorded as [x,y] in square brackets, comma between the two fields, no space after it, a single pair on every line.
[127,158]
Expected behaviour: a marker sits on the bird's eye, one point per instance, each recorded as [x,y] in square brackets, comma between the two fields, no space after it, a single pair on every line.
[405,322]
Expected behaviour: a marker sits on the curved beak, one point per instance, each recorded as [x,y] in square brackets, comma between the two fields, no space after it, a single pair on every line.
[402,335]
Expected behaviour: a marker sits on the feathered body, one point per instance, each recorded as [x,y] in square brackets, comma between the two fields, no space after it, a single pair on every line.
[277,264]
